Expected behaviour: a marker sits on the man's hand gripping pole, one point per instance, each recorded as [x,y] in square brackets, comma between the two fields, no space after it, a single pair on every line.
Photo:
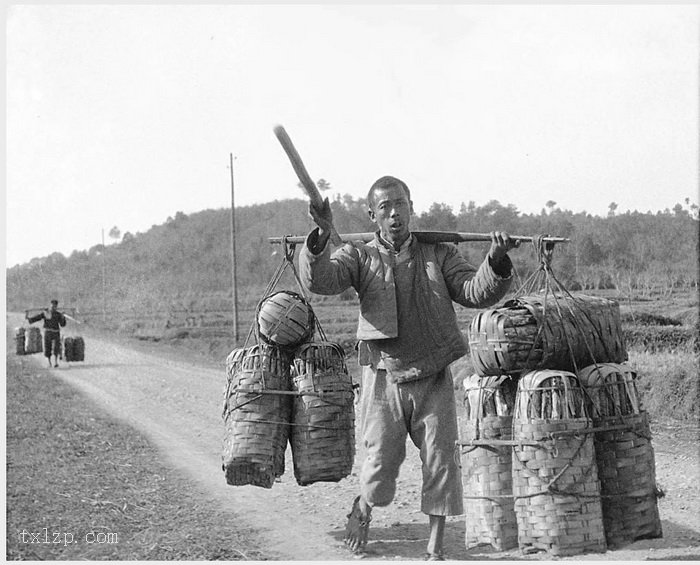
[306,182]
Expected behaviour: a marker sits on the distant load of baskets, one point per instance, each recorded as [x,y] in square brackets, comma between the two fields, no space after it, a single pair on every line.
[556,447]
[29,340]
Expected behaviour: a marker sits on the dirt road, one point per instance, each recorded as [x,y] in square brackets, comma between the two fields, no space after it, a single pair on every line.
[178,406]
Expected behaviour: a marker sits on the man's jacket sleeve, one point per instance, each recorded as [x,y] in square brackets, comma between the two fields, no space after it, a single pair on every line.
[36,318]
[472,288]
[323,273]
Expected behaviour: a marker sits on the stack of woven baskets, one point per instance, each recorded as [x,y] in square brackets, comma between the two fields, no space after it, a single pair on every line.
[555,455]
[32,340]
[288,388]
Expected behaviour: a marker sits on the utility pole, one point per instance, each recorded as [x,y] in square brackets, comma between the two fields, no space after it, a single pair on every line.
[104,284]
[233,256]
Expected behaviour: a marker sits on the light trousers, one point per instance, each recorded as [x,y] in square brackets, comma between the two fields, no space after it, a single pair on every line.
[425,411]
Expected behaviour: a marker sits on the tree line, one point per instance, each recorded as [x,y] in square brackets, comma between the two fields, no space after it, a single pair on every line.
[186,261]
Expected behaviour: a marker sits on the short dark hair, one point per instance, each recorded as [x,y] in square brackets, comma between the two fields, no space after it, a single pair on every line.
[54,301]
[387,182]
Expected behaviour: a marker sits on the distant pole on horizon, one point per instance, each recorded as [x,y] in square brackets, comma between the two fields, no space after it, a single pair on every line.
[104,284]
[233,255]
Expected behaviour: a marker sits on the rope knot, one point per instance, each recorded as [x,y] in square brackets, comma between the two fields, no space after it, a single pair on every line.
[289,248]
[544,250]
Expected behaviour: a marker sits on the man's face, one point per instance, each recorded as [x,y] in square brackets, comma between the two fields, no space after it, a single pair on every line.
[52,308]
[391,210]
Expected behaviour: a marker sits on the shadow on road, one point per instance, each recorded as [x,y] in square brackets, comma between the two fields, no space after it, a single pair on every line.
[409,541]
[78,366]
[674,536]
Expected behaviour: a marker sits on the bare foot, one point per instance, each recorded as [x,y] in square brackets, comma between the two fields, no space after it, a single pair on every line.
[357,527]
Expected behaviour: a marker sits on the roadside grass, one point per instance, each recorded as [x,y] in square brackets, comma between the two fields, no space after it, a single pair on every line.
[668,383]
[82,486]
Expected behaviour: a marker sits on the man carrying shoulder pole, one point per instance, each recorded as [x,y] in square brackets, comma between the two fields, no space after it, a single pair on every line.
[53,322]
[408,335]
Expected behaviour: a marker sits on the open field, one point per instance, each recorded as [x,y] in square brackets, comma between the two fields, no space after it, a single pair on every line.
[169,398]
[661,333]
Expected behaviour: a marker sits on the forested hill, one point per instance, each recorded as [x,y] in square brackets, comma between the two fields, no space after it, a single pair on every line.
[187,260]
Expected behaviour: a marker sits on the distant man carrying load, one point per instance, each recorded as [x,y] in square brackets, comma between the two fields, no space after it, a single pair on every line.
[53,321]
[408,335]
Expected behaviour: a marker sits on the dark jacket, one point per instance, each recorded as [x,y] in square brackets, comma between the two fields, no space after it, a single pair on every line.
[54,323]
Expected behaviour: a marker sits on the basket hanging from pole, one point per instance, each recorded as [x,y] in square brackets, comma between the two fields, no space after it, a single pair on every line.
[256,415]
[546,331]
[546,327]
[624,454]
[19,340]
[32,340]
[73,348]
[257,403]
[285,319]
[323,418]
[264,408]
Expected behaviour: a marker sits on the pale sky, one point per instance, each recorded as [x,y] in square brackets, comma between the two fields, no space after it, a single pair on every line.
[124,115]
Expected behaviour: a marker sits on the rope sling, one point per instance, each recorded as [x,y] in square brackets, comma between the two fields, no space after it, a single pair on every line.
[298,387]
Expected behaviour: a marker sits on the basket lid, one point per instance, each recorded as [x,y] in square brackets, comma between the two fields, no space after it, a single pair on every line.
[536,379]
[602,373]
[285,319]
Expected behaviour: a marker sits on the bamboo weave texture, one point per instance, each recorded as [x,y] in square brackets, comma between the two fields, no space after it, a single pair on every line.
[285,319]
[546,332]
[556,487]
[487,470]
[624,454]
[256,418]
[323,417]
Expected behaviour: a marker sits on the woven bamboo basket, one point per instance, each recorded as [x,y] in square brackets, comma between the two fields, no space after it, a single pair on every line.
[234,363]
[285,319]
[74,348]
[624,454]
[78,348]
[32,340]
[555,477]
[257,414]
[487,466]
[68,348]
[546,331]
[19,340]
[323,417]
